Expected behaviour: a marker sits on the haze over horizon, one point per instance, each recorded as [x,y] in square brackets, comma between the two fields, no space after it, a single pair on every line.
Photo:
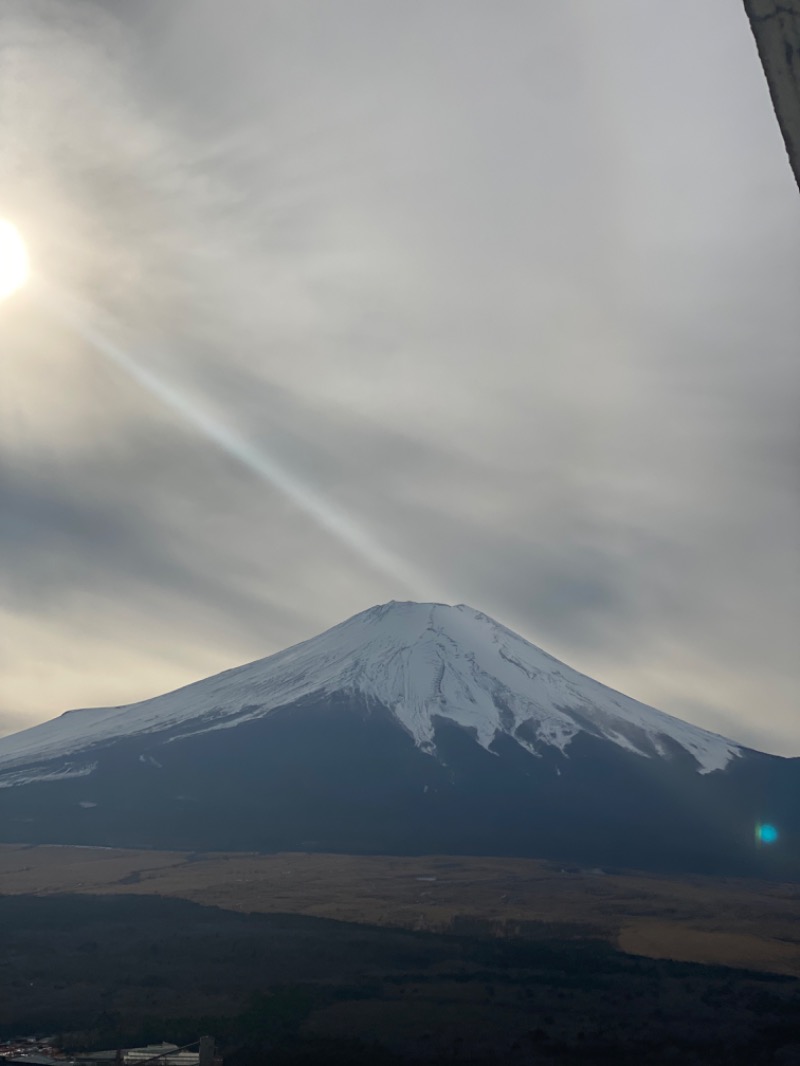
[512,297]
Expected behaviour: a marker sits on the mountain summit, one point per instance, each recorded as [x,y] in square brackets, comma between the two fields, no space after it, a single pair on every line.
[409,727]
[422,661]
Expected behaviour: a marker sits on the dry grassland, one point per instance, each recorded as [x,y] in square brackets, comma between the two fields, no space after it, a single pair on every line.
[697,919]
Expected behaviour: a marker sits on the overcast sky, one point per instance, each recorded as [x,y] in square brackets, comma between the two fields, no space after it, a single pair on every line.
[506,293]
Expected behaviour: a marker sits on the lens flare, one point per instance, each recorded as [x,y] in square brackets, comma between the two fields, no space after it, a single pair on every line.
[14,263]
[765,833]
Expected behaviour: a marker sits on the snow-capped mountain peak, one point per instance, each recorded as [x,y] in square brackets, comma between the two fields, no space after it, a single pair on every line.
[421,661]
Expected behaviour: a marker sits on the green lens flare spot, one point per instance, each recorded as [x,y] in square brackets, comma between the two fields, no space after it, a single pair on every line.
[766,834]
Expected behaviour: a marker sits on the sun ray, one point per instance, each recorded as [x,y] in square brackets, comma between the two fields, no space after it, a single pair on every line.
[324,512]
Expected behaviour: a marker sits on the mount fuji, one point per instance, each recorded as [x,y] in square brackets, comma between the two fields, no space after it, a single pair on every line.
[409,728]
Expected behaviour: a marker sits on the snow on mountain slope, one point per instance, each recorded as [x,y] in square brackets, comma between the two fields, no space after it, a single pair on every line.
[418,660]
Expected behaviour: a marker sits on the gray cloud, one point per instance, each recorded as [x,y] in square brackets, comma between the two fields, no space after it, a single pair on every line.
[516,292]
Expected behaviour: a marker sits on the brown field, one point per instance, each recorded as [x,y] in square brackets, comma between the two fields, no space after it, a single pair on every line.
[697,919]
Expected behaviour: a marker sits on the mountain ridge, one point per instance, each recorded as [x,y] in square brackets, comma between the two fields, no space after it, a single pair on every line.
[421,660]
[406,729]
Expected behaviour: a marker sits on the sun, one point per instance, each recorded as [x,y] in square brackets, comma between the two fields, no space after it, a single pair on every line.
[14,264]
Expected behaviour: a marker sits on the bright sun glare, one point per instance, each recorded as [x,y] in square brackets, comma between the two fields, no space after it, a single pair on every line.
[14,265]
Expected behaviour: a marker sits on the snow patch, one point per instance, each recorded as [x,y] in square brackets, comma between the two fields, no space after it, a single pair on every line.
[29,777]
